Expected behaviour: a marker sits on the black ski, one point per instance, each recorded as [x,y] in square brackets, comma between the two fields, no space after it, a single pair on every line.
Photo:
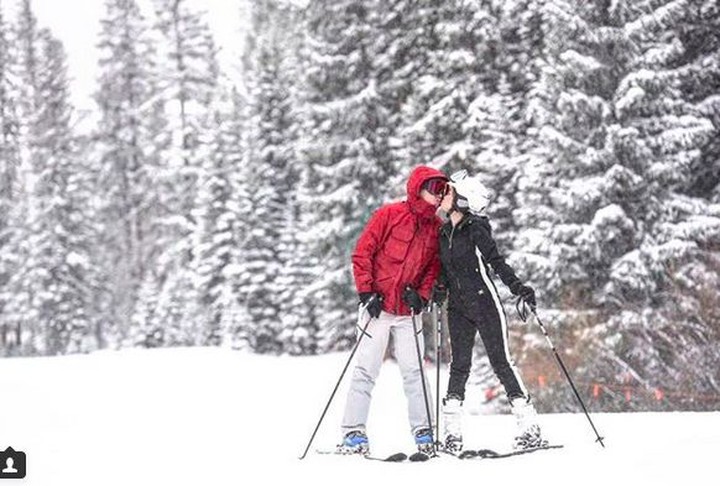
[402,457]
[420,457]
[491,454]
[397,457]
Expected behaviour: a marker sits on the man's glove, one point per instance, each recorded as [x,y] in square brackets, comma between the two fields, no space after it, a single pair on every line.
[413,299]
[439,294]
[375,305]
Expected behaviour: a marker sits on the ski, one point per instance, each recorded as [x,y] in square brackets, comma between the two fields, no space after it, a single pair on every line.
[402,457]
[491,454]
[335,452]
[396,457]
[420,457]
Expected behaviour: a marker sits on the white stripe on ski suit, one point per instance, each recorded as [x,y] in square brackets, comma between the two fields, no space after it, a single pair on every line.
[503,320]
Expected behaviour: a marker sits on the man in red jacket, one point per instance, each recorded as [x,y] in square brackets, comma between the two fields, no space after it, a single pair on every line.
[395,264]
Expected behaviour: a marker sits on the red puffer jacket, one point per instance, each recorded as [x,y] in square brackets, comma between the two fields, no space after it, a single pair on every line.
[399,247]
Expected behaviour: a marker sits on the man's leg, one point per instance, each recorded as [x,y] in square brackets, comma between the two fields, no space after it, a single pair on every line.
[407,358]
[369,358]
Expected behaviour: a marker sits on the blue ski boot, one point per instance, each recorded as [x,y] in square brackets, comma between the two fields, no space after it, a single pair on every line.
[424,441]
[354,442]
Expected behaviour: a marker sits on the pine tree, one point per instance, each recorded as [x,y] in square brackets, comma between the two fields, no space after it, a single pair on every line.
[220,225]
[344,157]
[620,142]
[9,175]
[700,38]
[271,131]
[54,282]
[188,80]
[27,41]
[445,65]
[19,311]
[465,108]
[188,86]
[129,115]
[300,330]
[69,315]
[9,149]
[236,324]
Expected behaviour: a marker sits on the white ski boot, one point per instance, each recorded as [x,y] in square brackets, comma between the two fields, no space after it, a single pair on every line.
[452,418]
[529,435]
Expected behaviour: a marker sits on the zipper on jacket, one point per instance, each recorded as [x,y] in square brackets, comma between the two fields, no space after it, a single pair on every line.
[450,241]
[398,298]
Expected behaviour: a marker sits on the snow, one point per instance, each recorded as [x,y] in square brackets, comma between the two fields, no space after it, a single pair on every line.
[633,95]
[215,416]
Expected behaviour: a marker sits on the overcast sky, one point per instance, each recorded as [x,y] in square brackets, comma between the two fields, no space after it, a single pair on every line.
[77,24]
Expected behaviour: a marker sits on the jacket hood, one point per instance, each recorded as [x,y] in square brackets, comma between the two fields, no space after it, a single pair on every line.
[417,178]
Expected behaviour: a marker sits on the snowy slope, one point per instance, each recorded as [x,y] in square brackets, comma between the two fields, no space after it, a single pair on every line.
[215,417]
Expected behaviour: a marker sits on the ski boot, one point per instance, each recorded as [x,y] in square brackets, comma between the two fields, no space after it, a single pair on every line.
[452,415]
[424,441]
[529,435]
[354,442]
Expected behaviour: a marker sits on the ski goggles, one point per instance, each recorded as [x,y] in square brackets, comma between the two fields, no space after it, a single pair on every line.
[436,187]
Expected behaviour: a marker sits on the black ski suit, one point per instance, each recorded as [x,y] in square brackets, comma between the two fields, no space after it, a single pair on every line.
[467,251]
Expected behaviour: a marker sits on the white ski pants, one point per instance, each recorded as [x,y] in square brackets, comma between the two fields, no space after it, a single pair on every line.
[369,359]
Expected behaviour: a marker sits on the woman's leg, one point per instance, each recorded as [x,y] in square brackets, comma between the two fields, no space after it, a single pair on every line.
[462,340]
[494,334]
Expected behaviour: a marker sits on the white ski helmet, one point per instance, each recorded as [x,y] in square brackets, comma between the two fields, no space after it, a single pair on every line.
[471,194]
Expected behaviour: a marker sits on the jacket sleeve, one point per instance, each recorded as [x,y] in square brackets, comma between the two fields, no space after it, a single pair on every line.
[443,277]
[482,237]
[363,258]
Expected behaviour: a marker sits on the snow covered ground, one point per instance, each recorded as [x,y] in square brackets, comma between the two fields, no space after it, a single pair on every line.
[216,417]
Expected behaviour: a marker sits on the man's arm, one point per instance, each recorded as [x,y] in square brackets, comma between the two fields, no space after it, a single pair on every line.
[363,258]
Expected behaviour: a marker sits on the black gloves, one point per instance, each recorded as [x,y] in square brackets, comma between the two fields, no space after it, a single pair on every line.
[413,299]
[526,293]
[439,294]
[375,305]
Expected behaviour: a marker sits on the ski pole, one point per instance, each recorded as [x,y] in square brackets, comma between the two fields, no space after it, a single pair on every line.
[422,372]
[435,309]
[337,385]
[523,315]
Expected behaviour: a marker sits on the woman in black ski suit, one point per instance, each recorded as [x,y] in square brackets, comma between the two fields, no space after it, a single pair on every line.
[467,251]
